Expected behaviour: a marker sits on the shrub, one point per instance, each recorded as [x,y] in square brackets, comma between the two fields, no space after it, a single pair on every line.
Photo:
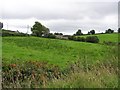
[92,39]
[82,39]
[12,33]
[50,35]
[71,38]
[39,73]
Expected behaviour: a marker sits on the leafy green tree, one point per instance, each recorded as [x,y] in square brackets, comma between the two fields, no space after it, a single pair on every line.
[1,25]
[58,34]
[92,32]
[109,31]
[38,29]
[88,33]
[118,30]
[79,32]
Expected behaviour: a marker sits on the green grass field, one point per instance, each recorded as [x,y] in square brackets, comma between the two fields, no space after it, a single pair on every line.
[18,50]
[106,37]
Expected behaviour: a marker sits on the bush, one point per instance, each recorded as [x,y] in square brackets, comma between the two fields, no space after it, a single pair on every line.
[92,39]
[12,33]
[50,35]
[72,38]
[82,39]
[16,75]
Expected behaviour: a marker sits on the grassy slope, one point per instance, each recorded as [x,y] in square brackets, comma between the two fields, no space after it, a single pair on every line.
[106,37]
[58,52]
[20,49]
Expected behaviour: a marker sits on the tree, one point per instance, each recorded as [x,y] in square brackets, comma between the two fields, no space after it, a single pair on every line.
[92,39]
[118,30]
[109,31]
[38,29]
[89,33]
[1,25]
[79,32]
[50,35]
[58,34]
[92,32]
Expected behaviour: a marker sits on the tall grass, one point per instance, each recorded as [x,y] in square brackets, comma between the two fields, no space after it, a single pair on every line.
[82,75]
[76,75]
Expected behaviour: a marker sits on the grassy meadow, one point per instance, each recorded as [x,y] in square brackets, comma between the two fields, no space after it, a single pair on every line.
[106,37]
[59,63]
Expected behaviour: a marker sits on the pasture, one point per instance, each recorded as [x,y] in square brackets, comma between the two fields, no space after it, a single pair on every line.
[63,54]
[105,37]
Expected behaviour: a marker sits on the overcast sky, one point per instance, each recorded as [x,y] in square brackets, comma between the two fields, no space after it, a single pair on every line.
[66,16]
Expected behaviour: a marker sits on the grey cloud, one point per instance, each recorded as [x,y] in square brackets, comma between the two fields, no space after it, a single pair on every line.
[119,14]
[61,11]
[71,14]
[72,26]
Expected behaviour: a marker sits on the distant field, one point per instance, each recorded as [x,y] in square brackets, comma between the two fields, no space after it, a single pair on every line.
[70,64]
[20,49]
[106,37]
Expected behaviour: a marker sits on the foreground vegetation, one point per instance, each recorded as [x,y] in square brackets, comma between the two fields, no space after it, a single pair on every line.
[77,75]
[40,62]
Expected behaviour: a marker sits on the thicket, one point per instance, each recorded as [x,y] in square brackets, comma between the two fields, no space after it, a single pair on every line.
[91,39]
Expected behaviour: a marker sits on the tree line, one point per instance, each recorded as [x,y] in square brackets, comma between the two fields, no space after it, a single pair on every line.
[40,30]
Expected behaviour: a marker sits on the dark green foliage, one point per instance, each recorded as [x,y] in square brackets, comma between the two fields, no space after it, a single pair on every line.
[58,34]
[109,31]
[38,29]
[74,38]
[89,33]
[50,35]
[1,25]
[79,32]
[71,37]
[12,33]
[92,31]
[92,39]
[82,39]
[118,30]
